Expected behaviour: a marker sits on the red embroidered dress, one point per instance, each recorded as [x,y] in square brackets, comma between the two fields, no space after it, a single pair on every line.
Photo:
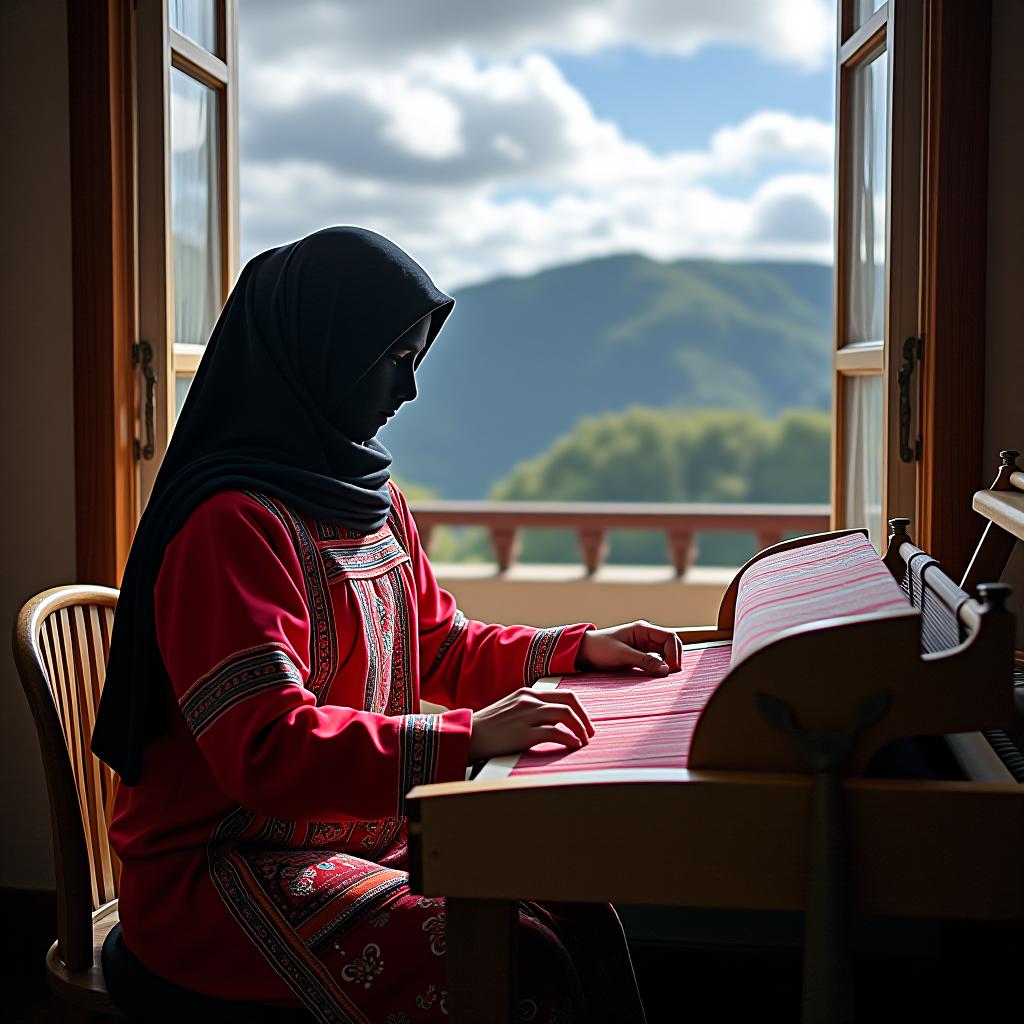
[264,846]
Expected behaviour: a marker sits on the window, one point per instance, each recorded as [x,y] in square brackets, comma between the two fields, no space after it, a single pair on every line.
[153,155]
[187,206]
[878,166]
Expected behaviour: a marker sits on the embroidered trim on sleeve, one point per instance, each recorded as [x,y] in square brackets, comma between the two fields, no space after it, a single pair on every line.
[419,736]
[459,622]
[236,678]
[542,650]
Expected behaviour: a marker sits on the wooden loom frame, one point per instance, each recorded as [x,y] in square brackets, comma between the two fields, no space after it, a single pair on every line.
[738,818]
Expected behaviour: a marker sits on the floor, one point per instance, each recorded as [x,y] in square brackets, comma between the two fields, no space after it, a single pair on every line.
[26,940]
[967,973]
[946,971]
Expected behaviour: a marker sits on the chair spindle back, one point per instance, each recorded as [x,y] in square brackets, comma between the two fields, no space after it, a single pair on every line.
[61,643]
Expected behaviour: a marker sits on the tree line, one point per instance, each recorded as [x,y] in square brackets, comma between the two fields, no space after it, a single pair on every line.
[645,454]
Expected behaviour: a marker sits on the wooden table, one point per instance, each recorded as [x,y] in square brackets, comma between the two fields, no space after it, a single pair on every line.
[694,839]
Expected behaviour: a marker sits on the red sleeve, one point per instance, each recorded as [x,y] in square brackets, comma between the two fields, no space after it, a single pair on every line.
[234,631]
[469,664]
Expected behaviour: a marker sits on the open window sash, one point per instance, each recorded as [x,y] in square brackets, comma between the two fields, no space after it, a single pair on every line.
[877,247]
[187,221]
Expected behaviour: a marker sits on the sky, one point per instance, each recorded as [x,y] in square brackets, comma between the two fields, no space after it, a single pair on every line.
[490,138]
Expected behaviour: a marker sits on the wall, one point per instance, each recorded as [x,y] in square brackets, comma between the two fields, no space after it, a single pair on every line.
[1004,354]
[36,414]
[555,594]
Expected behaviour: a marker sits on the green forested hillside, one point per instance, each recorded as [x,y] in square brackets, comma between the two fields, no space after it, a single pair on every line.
[522,360]
[645,454]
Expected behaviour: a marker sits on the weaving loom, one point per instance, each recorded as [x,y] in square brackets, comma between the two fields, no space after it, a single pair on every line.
[822,655]
[645,722]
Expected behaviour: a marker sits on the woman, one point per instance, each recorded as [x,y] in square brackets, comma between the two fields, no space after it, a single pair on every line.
[278,624]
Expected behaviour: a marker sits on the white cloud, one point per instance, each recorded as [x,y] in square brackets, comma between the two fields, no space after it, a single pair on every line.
[423,149]
[496,124]
[387,32]
[354,121]
[472,237]
[421,121]
[794,211]
[772,135]
[508,146]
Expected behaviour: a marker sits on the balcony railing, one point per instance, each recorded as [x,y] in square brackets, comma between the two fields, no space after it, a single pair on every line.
[680,524]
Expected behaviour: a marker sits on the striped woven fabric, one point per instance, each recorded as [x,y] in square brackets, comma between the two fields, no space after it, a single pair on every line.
[833,578]
[913,576]
[940,624]
[641,721]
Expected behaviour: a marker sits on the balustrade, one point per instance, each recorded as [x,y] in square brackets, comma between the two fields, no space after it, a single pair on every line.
[680,524]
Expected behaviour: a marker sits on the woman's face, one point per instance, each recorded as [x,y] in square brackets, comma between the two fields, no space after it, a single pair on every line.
[390,382]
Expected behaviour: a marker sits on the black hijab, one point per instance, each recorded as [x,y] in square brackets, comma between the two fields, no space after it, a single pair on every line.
[302,323]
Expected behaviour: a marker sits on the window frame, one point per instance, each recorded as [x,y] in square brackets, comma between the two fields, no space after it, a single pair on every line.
[101,58]
[937,213]
[896,28]
[154,230]
[955,212]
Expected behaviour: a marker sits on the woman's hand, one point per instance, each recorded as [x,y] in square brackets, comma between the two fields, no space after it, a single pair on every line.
[631,645]
[527,717]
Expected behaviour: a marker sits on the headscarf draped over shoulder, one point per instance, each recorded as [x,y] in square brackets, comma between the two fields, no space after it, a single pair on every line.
[303,323]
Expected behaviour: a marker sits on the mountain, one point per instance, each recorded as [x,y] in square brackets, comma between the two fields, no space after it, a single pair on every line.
[522,359]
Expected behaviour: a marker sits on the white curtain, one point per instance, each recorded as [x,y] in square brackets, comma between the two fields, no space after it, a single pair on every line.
[196,209]
[863,9]
[867,169]
[863,455]
[196,19]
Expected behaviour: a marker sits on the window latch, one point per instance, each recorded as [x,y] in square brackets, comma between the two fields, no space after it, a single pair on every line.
[142,354]
[913,353]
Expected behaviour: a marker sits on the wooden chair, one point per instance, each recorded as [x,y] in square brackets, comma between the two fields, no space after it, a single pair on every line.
[61,642]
